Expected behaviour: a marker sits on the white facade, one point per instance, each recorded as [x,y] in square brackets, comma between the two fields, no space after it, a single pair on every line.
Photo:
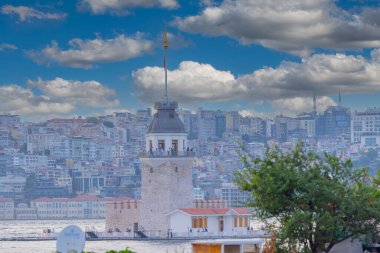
[213,221]
[198,193]
[24,212]
[81,207]
[7,209]
[162,143]
[370,141]
[365,124]
[308,125]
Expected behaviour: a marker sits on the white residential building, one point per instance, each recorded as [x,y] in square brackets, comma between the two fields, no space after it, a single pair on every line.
[81,207]
[213,221]
[7,209]
[198,193]
[365,127]
[231,194]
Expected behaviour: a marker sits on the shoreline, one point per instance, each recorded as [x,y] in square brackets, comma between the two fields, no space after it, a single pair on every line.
[179,239]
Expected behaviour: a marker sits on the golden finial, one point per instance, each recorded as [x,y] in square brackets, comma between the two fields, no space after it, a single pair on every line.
[165,40]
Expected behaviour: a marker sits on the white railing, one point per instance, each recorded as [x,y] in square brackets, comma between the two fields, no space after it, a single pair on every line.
[163,153]
[184,235]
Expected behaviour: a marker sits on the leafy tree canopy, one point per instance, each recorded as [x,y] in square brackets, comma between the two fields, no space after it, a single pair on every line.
[108,124]
[92,120]
[311,203]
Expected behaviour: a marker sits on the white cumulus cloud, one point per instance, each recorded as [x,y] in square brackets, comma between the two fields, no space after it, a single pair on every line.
[86,53]
[19,100]
[293,106]
[26,13]
[293,26]
[192,81]
[89,93]
[121,7]
[290,84]
[57,96]
[6,46]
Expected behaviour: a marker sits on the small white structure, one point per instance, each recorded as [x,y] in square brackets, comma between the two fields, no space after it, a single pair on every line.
[209,222]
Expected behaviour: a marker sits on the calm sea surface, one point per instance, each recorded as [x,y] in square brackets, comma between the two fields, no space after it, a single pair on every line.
[10,229]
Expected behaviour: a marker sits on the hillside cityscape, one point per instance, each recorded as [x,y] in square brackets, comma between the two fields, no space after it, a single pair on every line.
[82,163]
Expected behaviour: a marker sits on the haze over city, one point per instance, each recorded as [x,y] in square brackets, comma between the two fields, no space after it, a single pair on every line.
[88,57]
[133,119]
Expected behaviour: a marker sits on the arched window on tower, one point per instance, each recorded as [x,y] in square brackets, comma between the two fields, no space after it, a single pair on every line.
[151,170]
[176,169]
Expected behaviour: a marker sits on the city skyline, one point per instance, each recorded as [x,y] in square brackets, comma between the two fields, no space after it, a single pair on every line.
[90,57]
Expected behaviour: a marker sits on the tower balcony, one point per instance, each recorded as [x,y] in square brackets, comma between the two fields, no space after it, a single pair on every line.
[163,154]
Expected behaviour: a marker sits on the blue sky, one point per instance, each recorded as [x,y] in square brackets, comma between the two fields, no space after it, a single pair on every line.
[82,57]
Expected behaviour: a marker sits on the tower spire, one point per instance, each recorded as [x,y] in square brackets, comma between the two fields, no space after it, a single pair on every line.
[314,104]
[166,99]
[340,99]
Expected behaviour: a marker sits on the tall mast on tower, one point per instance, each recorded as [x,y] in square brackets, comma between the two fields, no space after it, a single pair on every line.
[166,98]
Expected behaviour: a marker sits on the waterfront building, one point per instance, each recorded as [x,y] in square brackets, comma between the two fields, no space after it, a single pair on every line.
[6,208]
[166,176]
[213,221]
[24,212]
[81,207]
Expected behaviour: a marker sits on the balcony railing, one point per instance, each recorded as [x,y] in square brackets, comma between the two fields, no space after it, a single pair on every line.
[170,153]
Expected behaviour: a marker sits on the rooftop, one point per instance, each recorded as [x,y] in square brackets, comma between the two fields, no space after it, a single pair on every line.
[214,211]
[166,119]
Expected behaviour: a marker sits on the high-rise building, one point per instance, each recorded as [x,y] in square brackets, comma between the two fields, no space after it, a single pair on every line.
[365,127]
[206,124]
[233,196]
[334,122]
[220,124]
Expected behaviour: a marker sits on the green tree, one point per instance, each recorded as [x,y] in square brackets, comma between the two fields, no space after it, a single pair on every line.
[23,148]
[30,183]
[92,120]
[108,124]
[310,203]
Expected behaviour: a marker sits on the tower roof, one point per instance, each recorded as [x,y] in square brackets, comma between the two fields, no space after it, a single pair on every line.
[166,119]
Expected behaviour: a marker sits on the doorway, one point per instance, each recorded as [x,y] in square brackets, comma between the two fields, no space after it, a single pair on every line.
[175,147]
[221,223]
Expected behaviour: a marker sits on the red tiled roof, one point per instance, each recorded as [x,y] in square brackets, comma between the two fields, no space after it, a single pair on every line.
[212,211]
[86,198]
[5,200]
[120,199]
[80,198]
[46,199]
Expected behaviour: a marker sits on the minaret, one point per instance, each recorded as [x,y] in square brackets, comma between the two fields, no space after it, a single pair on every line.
[340,100]
[166,175]
[166,98]
[314,104]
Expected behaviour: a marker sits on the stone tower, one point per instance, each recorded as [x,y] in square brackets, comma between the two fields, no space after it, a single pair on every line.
[166,175]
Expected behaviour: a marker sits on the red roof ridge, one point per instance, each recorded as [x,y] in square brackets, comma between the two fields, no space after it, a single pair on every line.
[213,211]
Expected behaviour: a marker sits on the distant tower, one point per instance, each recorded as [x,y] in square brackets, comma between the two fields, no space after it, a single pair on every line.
[314,104]
[340,99]
[166,98]
[166,176]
